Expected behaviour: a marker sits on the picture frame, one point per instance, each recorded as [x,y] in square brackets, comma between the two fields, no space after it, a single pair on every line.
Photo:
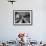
[22,17]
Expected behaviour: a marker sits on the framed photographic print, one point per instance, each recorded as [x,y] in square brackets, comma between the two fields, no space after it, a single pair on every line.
[22,17]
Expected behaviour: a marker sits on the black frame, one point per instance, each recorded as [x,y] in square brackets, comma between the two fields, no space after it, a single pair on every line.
[23,24]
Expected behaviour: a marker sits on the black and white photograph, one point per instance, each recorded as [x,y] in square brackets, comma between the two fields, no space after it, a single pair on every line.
[22,17]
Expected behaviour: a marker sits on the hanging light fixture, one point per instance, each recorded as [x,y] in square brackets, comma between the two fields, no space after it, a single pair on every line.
[12,1]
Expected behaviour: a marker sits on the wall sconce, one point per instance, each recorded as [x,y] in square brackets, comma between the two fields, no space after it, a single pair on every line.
[12,1]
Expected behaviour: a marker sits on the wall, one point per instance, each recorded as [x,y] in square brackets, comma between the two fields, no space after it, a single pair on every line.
[38,29]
